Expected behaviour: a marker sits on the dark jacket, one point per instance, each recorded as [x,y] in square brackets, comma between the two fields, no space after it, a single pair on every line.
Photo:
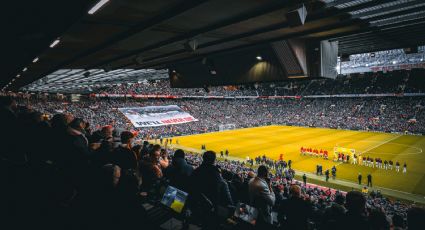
[9,126]
[297,212]
[125,158]
[354,221]
[206,179]
[178,173]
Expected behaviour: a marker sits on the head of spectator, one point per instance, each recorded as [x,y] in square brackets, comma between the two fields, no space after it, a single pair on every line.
[107,131]
[69,117]
[398,221]
[339,199]
[59,121]
[208,158]
[263,172]
[155,154]
[87,128]
[355,202]
[295,191]
[415,218]
[378,220]
[36,117]
[179,154]
[127,139]
[78,124]
[8,103]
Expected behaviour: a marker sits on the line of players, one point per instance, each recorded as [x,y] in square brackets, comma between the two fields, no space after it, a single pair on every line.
[314,152]
[378,163]
[365,161]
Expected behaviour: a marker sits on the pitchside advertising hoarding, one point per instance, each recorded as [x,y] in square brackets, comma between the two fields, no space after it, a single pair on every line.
[156,115]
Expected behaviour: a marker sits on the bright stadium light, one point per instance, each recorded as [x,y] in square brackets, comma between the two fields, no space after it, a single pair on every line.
[97,6]
[35,60]
[54,43]
[394,62]
[25,69]
[18,76]
[259,58]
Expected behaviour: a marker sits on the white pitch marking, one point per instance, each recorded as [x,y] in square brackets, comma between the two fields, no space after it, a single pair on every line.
[380,144]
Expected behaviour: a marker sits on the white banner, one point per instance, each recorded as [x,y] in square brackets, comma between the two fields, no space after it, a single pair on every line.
[156,115]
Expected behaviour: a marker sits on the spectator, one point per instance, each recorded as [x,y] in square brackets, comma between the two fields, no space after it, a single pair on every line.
[378,220]
[8,123]
[356,217]
[179,171]
[333,214]
[262,196]
[150,169]
[163,160]
[398,222]
[123,155]
[296,211]
[209,191]
[207,180]
[78,139]
[415,218]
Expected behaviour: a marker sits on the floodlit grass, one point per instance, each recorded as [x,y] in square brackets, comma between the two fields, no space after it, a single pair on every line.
[287,140]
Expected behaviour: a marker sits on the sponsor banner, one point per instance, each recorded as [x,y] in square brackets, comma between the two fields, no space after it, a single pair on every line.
[156,115]
[368,95]
[258,97]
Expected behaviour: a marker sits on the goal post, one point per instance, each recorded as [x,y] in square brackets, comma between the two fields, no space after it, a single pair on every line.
[224,127]
[345,151]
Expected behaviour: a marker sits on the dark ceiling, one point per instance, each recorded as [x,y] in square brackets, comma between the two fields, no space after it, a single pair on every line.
[154,32]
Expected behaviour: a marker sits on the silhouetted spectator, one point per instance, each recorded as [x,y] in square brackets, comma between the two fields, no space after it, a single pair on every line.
[262,196]
[150,169]
[179,171]
[356,217]
[296,211]
[378,220]
[415,218]
[123,155]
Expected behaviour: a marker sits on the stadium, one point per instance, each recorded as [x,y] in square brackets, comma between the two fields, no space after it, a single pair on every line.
[197,114]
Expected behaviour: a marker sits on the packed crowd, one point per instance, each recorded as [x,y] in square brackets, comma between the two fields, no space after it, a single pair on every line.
[64,175]
[405,114]
[369,83]
[384,58]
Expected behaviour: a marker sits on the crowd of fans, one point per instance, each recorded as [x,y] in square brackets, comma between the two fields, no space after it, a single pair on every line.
[61,174]
[386,114]
[402,81]
[383,58]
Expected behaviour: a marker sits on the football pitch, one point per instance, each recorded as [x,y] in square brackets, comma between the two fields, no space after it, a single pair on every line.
[287,140]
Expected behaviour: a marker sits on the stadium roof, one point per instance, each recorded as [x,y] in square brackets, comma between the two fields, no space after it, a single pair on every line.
[49,36]
[84,81]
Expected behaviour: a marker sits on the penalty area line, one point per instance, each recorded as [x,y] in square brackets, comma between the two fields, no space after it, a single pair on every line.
[380,144]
